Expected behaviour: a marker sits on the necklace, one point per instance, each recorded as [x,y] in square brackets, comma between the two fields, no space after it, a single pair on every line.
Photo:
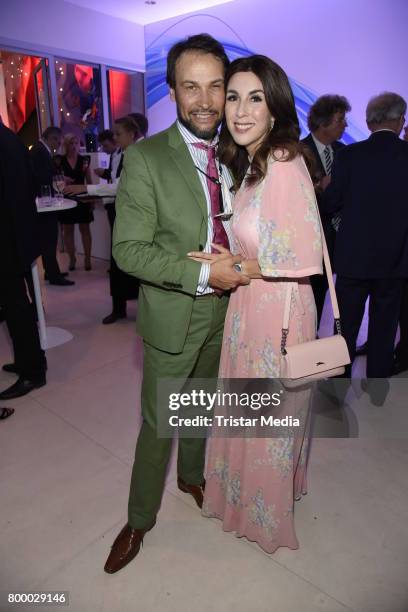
[210,178]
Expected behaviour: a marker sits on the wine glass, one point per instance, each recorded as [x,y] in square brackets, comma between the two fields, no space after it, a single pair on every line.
[58,182]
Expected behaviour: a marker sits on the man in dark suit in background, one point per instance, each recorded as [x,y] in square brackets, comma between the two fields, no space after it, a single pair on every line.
[19,247]
[109,146]
[43,169]
[401,350]
[327,122]
[371,254]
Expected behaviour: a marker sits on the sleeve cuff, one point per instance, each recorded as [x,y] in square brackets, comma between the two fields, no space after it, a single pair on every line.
[203,278]
[271,272]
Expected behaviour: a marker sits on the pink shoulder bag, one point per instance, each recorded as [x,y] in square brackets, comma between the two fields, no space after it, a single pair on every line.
[316,359]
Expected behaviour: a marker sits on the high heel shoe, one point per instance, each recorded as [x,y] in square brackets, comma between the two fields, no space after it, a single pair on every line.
[72,265]
[88,265]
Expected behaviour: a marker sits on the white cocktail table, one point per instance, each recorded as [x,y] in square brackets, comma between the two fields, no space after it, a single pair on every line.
[49,336]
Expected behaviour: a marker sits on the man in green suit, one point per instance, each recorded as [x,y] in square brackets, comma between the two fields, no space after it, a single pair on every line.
[165,209]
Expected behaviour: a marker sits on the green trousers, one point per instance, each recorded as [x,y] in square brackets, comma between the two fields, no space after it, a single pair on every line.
[199,359]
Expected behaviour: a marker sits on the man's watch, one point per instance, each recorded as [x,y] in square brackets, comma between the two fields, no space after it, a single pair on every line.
[238,267]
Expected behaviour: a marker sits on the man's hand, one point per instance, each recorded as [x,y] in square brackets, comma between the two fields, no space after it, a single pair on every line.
[99,172]
[224,276]
[74,189]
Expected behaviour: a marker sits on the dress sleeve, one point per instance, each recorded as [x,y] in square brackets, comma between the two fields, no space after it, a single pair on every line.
[290,242]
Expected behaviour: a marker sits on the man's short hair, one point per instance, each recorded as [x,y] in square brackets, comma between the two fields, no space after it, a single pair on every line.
[323,109]
[385,107]
[106,135]
[141,121]
[202,43]
[52,130]
[129,125]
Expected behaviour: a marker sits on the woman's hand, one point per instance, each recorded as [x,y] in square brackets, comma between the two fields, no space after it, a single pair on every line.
[210,258]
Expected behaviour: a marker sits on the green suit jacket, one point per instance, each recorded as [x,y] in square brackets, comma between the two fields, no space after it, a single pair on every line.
[161,215]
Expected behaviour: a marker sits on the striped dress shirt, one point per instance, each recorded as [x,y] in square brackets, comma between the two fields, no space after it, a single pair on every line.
[199,157]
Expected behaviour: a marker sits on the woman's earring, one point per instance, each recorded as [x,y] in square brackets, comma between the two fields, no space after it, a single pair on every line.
[272,123]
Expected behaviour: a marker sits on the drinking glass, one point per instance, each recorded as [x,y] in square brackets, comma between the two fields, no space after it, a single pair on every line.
[58,182]
[45,195]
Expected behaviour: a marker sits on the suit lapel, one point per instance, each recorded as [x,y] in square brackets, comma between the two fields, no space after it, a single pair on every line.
[182,158]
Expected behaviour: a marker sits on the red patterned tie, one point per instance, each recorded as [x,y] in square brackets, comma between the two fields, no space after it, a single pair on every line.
[219,233]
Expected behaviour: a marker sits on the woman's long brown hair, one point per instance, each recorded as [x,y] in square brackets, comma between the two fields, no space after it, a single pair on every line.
[283,138]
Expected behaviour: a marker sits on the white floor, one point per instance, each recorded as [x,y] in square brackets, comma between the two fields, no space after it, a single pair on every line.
[65,463]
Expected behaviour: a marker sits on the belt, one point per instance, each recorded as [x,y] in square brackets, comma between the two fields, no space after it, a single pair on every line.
[207,295]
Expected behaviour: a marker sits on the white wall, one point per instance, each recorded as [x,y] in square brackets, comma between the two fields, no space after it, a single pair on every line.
[355,48]
[69,31]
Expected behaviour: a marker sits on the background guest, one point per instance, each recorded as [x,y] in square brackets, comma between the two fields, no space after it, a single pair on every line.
[401,350]
[327,122]
[112,173]
[123,287]
[19,247]
[371,252]
[41,155]
[109,146]
[75,168]
[141,122]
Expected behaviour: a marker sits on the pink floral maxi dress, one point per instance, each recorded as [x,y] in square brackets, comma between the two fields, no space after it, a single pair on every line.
[252,482]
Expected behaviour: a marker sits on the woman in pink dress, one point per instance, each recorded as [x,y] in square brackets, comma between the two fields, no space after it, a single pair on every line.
[251,483]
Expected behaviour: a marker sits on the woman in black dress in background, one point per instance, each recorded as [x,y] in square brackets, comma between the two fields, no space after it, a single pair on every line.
[75,168]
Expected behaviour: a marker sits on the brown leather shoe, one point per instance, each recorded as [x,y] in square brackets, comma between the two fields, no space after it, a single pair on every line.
[125,548]
[197,491]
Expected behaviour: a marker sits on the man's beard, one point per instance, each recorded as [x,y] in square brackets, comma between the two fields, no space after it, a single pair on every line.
[202,134]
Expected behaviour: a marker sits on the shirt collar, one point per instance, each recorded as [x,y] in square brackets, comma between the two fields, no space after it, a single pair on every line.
[190,138]
[320,146]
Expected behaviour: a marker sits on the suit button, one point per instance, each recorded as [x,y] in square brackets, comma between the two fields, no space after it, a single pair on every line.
[200,247]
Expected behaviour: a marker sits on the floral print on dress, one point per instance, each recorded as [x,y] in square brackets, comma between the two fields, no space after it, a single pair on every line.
[233,339]
[312,215]
[256,198]
[263,516]
[279,453]
[275,248]
[230,485]
[265,300]
[267,364]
